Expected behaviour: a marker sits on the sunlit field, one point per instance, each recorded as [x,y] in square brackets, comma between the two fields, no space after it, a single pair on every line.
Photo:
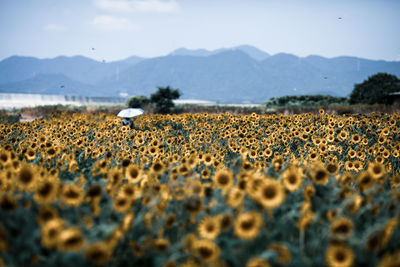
[201,190]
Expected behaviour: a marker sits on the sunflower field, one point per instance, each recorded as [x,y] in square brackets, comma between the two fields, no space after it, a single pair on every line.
[201,190]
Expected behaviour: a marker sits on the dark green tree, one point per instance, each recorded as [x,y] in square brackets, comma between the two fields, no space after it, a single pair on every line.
[137,101]
[375,90]
[162,99]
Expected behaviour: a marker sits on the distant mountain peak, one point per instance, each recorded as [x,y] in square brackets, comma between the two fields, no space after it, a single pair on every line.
[251,51]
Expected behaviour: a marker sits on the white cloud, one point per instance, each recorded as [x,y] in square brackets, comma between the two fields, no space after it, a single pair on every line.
[111,23]
[54,28]
[130,6]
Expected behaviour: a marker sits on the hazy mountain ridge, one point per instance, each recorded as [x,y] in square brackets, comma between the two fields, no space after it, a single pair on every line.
[227,75]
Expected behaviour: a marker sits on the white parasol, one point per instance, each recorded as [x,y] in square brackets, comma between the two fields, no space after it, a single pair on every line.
[130,112]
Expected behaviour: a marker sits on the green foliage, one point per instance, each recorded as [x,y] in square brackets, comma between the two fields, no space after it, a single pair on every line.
[163,99]
[375,90]
[137,101]
[305,100]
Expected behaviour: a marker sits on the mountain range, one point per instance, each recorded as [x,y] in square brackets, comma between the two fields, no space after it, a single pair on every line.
[239,74]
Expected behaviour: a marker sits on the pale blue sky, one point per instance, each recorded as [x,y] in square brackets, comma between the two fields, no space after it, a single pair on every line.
[121,28]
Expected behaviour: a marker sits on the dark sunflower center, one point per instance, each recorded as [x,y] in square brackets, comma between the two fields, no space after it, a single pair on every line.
[205,252]
[25,176]
[45,189]
[269,192]
[247,225]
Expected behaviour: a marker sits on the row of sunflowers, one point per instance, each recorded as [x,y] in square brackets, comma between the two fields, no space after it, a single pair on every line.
[201,190]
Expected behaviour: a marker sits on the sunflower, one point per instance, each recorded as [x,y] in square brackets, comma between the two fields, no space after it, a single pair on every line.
[247,225]
[308,192]
[292,179]
[332,167]
[208,159]
[223,179]
[161,244]
[257,262]
[122,203]
[50,231]
[46,213]
[70,239]
[47,190]
[234,197]
[395,180]
[157,167]
[207,250]
[72,195]
[98,253]
[26,178]
[365,181]
[205,173]
[209,228]
[339,255]
[133,173]
[284,256]
[271,194]
[319,174]
[30,154]
[341,228]
[8,202]
[376,170]
[346,179]
[5,157]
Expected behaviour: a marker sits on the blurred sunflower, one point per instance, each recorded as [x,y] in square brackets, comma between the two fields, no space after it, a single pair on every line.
[234,197]
[292,179]
[341,228]
[376,170]
[365,181]
[47,190]
[70,239]
[339,255]
[319,174]
[284,255]
[223,179]
[206,250]
[50,231]
[132,173]
[271,194]
[161,244]
[72,194]
[98,253]
[208,228]
[247,225]
[122,203]
[26,178]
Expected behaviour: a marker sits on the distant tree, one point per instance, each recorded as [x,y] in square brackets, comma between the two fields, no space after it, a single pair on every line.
[162,99]
[137,101]
[375,90]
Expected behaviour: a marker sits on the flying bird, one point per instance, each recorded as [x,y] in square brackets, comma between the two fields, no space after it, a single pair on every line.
[62,86]
[93,48]
[339,17]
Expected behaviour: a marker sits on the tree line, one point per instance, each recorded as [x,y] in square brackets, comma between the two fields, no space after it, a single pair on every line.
[377,89]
